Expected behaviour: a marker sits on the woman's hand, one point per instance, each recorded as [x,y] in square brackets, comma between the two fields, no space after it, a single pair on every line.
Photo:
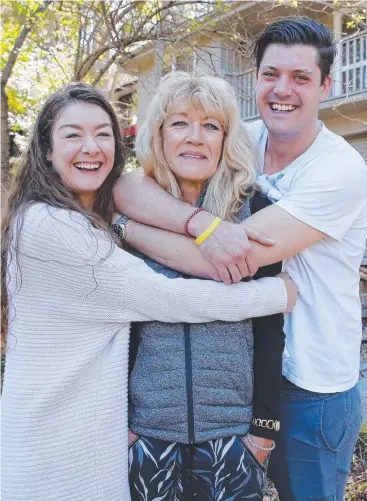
[292,291]
[132,438]
[261,442]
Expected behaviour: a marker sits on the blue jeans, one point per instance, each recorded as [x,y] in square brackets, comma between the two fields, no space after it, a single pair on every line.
[314,450]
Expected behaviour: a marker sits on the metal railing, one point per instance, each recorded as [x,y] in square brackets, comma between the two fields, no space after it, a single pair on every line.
[350,71]
[349,75]
[244,85]
[233,69]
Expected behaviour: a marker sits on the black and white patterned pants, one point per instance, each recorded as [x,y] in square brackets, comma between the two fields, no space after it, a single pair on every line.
[218,470]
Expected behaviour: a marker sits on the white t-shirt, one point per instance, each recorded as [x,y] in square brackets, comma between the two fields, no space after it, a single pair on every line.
[326,188]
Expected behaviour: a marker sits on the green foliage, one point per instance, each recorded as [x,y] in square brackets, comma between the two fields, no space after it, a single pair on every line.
[143,7]
[357,484]
[44,62]
[361,446]
[359,18]
[16,100]
[79,40]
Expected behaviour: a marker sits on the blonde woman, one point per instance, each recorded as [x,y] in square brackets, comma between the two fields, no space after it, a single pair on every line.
[199,428]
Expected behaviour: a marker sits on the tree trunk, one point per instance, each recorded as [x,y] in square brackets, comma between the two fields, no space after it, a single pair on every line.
[5,141]
[13,56]
[160,47]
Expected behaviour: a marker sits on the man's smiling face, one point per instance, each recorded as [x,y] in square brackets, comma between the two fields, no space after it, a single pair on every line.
[289,89]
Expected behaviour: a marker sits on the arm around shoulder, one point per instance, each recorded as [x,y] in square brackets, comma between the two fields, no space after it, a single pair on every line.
[325,200]
[130,288]
[142,199]
[156,297]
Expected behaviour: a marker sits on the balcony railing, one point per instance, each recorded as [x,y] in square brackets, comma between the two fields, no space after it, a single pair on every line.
[350,71]
[247,99]
[349,75]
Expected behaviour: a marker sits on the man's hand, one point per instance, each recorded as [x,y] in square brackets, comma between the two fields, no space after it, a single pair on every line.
[292,291]
[142,199]
[261,442]
[228,248]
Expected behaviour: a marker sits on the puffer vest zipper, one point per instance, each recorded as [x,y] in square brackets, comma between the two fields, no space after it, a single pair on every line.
[189,389]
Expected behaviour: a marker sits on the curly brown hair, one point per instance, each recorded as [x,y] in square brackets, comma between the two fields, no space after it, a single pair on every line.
[37,181]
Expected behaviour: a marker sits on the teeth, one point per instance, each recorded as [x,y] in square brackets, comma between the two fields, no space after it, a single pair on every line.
[192,156]
[87,166]
[282,107]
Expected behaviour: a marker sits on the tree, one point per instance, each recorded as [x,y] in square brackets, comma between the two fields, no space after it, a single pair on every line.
[46,44]
[20,34]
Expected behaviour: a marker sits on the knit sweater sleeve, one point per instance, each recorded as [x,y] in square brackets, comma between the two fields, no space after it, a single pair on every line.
[123,288]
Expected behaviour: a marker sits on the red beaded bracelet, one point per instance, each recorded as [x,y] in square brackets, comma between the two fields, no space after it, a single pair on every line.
[196,211]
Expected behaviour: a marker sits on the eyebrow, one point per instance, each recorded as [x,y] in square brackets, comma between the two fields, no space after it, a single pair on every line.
[79,127]
[299,70]
[186,115]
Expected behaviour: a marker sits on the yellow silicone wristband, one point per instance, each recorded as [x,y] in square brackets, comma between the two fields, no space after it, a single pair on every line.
[201,238]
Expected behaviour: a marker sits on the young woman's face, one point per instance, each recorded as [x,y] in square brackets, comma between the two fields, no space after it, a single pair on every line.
[83,149]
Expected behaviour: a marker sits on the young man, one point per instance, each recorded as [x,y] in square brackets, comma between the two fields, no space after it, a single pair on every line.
[318,223]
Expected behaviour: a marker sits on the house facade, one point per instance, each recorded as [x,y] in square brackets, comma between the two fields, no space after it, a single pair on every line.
[344,112]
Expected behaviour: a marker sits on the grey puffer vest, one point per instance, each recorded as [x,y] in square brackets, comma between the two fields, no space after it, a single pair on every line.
[192,382]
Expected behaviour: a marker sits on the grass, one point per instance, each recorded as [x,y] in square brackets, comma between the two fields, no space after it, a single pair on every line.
[357,484]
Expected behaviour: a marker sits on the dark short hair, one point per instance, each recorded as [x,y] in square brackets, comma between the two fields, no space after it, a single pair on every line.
[298,31]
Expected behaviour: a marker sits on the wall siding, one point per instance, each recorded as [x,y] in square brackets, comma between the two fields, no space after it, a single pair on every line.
[359,142]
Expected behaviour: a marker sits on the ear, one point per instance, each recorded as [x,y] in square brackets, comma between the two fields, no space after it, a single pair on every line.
[49,156]
[325,88]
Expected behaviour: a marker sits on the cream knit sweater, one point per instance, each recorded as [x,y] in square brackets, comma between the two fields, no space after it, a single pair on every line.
[72,297]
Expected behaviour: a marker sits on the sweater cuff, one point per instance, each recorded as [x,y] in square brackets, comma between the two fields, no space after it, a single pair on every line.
[258,431]
[277,293]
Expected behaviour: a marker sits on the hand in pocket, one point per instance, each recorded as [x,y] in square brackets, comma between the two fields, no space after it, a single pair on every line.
[132,438]
[259,455]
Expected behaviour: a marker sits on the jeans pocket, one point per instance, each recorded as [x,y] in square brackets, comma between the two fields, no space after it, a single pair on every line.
[339,416]
[253,457]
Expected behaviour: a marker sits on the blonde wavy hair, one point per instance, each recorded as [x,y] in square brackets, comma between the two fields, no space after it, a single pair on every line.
[235,175]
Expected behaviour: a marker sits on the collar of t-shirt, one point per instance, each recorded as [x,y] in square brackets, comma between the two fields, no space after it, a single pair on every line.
[274,186]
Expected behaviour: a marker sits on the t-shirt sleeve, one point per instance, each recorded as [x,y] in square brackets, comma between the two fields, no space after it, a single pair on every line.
[329,193]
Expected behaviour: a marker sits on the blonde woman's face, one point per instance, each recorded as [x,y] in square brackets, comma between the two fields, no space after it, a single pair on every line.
[192,143]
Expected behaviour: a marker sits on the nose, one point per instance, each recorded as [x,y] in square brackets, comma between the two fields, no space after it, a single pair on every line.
[90,146]
[194,134]
[282,87]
